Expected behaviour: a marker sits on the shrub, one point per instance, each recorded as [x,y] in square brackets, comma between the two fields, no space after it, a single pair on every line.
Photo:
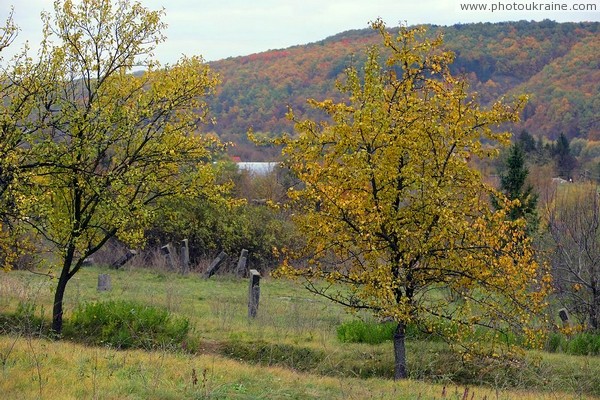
[584,344]
[581,344]
[125,324]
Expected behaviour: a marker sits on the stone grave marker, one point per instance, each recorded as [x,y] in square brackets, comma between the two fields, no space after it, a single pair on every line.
[241,265]
[253,293]
[215,264]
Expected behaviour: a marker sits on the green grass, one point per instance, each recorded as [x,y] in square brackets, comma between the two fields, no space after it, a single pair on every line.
[126,324]
[359,331]
[577,344]
[291,350]
[42,369]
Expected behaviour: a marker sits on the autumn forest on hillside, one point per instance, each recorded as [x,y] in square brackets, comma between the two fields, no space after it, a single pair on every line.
[500,59]
[430,216]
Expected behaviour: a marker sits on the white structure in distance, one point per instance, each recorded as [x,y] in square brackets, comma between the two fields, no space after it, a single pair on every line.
[258,168]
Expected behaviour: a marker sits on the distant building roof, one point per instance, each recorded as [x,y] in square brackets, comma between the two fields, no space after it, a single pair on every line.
[259,168]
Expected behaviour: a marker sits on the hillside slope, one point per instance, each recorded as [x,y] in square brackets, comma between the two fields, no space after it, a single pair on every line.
[556,63]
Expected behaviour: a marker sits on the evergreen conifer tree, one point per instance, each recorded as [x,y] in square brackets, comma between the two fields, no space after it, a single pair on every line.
[514,186]
[565,161]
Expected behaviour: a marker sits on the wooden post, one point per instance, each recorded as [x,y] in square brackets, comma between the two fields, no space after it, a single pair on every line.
[168,253]
[214,266]
[103,282]
[241,266]
[185,257]
[253,293]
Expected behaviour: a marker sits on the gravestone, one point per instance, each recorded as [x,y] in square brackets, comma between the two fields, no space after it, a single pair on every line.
[103,282]
[88,261]
[253,293]
[185,257]
[241,266]
[167,252]
[123,259]
[214,266]
[564,316]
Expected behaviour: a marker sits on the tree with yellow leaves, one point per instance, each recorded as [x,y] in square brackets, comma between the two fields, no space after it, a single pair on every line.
[7,147]
[397,220]
[15,107]
[109,143]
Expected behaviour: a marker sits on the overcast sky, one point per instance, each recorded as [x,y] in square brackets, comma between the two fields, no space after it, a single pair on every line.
[219,29]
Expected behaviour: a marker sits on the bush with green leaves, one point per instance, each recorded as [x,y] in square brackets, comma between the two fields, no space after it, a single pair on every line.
[213,226]
[126,324]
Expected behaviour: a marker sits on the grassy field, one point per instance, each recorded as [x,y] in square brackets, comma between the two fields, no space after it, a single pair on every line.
[289,351]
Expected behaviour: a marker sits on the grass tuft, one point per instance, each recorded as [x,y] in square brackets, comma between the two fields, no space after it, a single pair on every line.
[365,332]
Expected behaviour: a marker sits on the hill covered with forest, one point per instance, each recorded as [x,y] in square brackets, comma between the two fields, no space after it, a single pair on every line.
[557,64]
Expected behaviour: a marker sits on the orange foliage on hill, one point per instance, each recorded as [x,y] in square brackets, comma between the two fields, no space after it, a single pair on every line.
[556,63]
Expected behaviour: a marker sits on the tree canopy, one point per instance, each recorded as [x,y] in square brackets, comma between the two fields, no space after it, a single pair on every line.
[397,219]
[108,143]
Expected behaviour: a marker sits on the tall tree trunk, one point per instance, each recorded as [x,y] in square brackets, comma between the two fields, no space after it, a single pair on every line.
[70,267]
[400,371]
[65,275]
[57,309]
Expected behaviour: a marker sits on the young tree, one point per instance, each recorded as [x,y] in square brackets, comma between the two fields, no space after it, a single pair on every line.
[112,143]
[392,209]
[565,161]
[513,186]
[526,141]
[574,225]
